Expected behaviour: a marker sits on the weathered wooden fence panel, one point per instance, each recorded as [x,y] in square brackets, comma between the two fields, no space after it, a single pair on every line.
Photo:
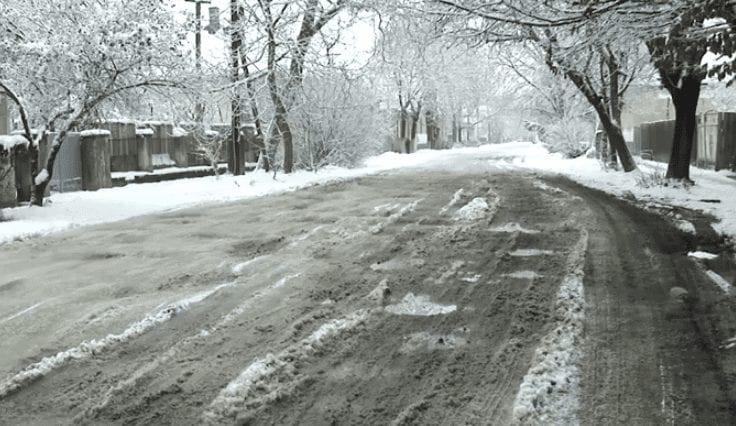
[95,155]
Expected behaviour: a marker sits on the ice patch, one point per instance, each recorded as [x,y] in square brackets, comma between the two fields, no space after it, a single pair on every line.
[89,348]
[456,197]
[243,392]
[685,226]
[719,281]
[514,227]
[524,275]
[702,255]
[549,391]
[238,269]
[530,252]
[419,306]
[23,312]
[475,210]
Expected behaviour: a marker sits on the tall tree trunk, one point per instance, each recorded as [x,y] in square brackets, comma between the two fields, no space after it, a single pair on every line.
[685,99]
[612,129]
[614,100]
[40,185]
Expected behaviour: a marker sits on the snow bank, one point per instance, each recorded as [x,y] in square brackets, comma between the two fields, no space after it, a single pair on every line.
[549,391]
[709,184]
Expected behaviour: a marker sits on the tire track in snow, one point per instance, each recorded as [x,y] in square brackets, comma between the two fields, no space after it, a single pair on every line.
[90,348]
[549,391]
[174,350]
[254,386]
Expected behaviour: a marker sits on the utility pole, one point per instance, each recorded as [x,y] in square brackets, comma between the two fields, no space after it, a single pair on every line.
[234,151]
[199,109]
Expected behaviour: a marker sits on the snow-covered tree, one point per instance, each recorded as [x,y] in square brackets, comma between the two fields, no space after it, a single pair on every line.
[63,59]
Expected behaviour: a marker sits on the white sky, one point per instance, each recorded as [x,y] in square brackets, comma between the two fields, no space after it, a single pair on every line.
[355,47]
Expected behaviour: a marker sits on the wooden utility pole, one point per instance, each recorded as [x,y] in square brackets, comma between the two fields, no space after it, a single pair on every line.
[234,151]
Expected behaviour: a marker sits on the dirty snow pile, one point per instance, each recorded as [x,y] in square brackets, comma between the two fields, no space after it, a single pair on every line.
[549,391]
[474,210]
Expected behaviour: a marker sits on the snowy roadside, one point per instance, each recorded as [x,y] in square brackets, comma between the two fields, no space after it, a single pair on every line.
[74,209]
[714,192]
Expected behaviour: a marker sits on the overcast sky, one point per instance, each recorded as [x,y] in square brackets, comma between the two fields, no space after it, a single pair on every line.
[356,43]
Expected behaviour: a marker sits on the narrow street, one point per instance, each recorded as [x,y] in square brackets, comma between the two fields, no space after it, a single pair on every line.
[433,296]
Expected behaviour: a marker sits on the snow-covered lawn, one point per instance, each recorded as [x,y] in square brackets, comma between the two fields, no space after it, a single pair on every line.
[76,209]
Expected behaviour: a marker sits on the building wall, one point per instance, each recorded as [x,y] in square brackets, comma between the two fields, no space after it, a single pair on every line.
[649,104]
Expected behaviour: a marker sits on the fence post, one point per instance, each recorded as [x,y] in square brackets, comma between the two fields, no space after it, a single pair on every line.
[95,153]
[143,149]
[179,147]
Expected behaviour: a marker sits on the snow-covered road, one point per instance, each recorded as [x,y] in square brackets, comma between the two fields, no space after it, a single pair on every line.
[437,295]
